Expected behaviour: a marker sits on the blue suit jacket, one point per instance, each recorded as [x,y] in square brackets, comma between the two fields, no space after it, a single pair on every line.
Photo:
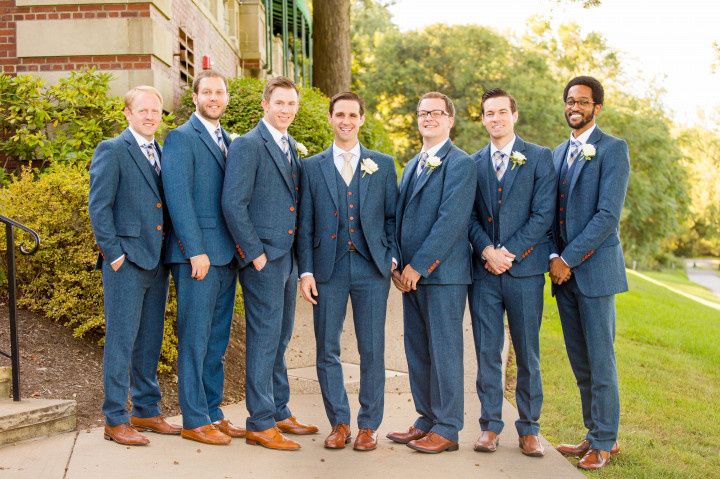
[319,221]
[126,203]
[526,212]
[260,197]
[597,194]
[193,172]
[432,227]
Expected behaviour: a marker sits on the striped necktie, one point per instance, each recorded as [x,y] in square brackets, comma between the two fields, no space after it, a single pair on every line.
[422,163]
[574,152]
[286,148]
[499,160]
[151,157]
[220,141]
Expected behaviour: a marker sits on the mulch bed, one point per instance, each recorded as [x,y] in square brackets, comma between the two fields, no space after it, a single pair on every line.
[56,365]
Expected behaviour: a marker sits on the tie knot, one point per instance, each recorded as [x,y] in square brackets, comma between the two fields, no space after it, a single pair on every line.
[498,156]
[347,156]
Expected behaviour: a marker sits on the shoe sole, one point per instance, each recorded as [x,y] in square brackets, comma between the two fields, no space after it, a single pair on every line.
[146,429]
[206,442]
[452,448]
[572,454]
[477,448]
[258,443]
[108,437]
[296,433]
[331,446]
[402,441]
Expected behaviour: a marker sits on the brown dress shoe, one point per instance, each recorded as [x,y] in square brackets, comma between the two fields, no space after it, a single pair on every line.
[125,434]
[487,442]
[338,437]
[272,439]
[594,459]
[433,443]
[292,426]
[366,440]
[207,434]
[229,429]
[579,450]
[531,446]
[156,424]
[405,437]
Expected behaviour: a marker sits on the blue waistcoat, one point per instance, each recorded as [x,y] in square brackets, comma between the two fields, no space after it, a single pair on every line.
[350,227]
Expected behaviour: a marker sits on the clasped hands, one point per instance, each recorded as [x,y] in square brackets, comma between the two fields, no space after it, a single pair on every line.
[497,260]
[407,280]
[560,272]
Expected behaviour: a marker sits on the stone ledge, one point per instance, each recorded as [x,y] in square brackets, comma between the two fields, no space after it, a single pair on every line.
[32,418]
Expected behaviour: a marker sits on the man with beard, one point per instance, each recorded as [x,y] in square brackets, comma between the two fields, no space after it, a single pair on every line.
[587,266]
[200,253]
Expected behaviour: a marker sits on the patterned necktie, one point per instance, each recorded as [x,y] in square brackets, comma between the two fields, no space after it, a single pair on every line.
[574,152]
[499,160]
[151,157]
[347,169]
[422,163]
[286,148]
[220,141]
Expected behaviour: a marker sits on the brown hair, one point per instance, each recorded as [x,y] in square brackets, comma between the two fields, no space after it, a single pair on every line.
[498,93]
[436,94]
[207,74]
[134,92]
[278,82]
[350,96]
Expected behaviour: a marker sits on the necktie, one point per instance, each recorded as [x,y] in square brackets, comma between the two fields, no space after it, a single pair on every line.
[422,162]
[574,152]
[220,141]
[151,157]
[499,160]
[347,169]
[286,148]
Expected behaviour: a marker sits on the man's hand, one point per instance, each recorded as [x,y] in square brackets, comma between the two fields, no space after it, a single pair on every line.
[559,271]
[119,262]
[410,277]
[260,262]
[200,266]
[497,261]
[397,281]
[308,288]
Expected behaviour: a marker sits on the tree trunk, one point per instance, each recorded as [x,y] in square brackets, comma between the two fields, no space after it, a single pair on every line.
[331,46]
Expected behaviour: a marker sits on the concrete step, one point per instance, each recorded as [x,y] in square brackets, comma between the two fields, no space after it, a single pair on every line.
[5,382]
[31,418]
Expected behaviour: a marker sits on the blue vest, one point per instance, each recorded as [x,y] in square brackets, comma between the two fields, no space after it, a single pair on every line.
[499,186]
[566,175]
[349,227]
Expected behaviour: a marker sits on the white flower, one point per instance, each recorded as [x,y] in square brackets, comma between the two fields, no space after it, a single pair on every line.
[368,167]
[233,136]
[432,163]
[518,159]
[588,151]
[301,149]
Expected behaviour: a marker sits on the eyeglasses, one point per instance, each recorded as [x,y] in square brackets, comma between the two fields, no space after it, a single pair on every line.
[434,114]
[571,102]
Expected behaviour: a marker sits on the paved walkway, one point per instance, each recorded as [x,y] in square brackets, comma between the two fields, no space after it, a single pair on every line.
[86,454]
[705,273]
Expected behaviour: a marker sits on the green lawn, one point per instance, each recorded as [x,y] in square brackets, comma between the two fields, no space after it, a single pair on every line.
[679,280]
[668,354]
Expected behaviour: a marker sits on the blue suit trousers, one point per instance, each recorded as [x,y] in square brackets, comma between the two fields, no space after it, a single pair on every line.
[135,301]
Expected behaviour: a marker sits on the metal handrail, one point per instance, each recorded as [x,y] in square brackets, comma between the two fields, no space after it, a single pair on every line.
[12,293]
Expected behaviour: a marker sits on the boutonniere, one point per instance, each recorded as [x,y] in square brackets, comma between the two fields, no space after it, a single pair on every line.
[233,136]
[301,149]
[588,151]
[432,163]
[517,158]
[368,167]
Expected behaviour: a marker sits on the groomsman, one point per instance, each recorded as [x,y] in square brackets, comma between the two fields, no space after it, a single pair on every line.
[346,247]
[127,211]
[587,265]
[513,213]
[434,206]
[260,199]
[200,253]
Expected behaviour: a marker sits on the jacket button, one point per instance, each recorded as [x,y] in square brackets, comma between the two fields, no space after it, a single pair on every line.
[292,208]
[489,219]
[349,193]
[562,195]
[333,236]
[158,205]
[335,213]
[290,232]
[562,222]
[158,227]
[562,209]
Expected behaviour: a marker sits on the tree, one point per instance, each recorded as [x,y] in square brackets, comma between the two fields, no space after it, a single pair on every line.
[331,46]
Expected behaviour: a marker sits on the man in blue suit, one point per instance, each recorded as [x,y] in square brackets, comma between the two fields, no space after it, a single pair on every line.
[346,247]
[201,255]
[514,208]
[127,211]
[260,200]
[434,206]
[587,265]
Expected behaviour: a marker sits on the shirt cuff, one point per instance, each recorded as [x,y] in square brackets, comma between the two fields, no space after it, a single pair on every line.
[555,255]
[307,273]
[118,259]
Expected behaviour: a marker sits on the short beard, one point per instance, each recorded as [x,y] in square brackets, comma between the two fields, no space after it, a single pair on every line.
[583,122]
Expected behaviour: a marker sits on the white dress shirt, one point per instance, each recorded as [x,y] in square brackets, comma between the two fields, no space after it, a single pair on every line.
[276,134]
[505,150]
[431,152]
[340,160]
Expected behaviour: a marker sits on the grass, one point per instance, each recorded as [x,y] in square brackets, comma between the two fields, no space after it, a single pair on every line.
[668,353]
[679,280]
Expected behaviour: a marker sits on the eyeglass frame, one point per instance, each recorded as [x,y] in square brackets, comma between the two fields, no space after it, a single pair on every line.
[431,113]
[571,102]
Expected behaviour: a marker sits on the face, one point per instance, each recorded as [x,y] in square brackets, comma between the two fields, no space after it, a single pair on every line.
[144,114]
[434,128]
[281,108]
[498,117]
[211,98]
[579,117]
[346,121]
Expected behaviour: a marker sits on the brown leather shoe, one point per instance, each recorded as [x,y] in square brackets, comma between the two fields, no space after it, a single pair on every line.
[338,437]
[207,434]
[292,426]
[433,443]
[156,424]
[125,434]
[579,450]
[366,440]
[229,429]
[531,446]
[272,439]
[594,459]
[487,442]
[405,437]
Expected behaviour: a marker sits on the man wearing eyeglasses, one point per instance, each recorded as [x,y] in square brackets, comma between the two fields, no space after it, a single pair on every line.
[587,267]
[436,194]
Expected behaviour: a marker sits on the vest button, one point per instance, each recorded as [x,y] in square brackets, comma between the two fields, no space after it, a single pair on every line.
[352,230]
[292,208]
[349,193]
[562,209]
[500,190]
[351,205]
[562,222]
[352,218]
[333,236]
[290,232]
[158,227]
[489,219]
[158,205]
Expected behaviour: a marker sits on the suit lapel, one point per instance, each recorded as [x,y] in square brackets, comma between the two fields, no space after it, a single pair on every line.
[486,186]
[327,166]
[277,155]
[141,161]
[208,140]
[595,137]
[407,174]
[560,155]
[510,172]
[364,182]
[424,177]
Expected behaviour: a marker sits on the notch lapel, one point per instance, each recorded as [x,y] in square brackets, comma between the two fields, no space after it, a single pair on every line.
[327,166]
[511,172]
[486,186]
[424,177]
[210,143]
[141,161]
[277,156]
[364,181]
[594,138]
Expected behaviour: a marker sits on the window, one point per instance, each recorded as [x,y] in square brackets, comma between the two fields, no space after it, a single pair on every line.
[187,57]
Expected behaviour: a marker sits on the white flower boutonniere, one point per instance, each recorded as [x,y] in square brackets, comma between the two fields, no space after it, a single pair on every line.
[368,167]
[233,136]
[432,163]
[517,158]
[588,151]
[301,149]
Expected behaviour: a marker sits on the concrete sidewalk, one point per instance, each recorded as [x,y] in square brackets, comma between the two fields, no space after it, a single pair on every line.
[87,455]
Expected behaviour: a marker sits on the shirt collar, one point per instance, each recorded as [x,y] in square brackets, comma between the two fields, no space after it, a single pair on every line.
[208,126]
[339,160]
[506,150]
[582,139]
[277,136]
[141,141]
[433,151]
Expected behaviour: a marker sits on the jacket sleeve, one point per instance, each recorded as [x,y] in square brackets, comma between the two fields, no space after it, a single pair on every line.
[306,224]
[391,199]
[104,180]
[477,235]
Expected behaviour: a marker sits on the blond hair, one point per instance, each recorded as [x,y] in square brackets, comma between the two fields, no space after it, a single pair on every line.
[134,92]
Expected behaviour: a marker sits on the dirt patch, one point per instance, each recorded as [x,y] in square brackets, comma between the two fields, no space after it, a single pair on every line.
[56,365]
